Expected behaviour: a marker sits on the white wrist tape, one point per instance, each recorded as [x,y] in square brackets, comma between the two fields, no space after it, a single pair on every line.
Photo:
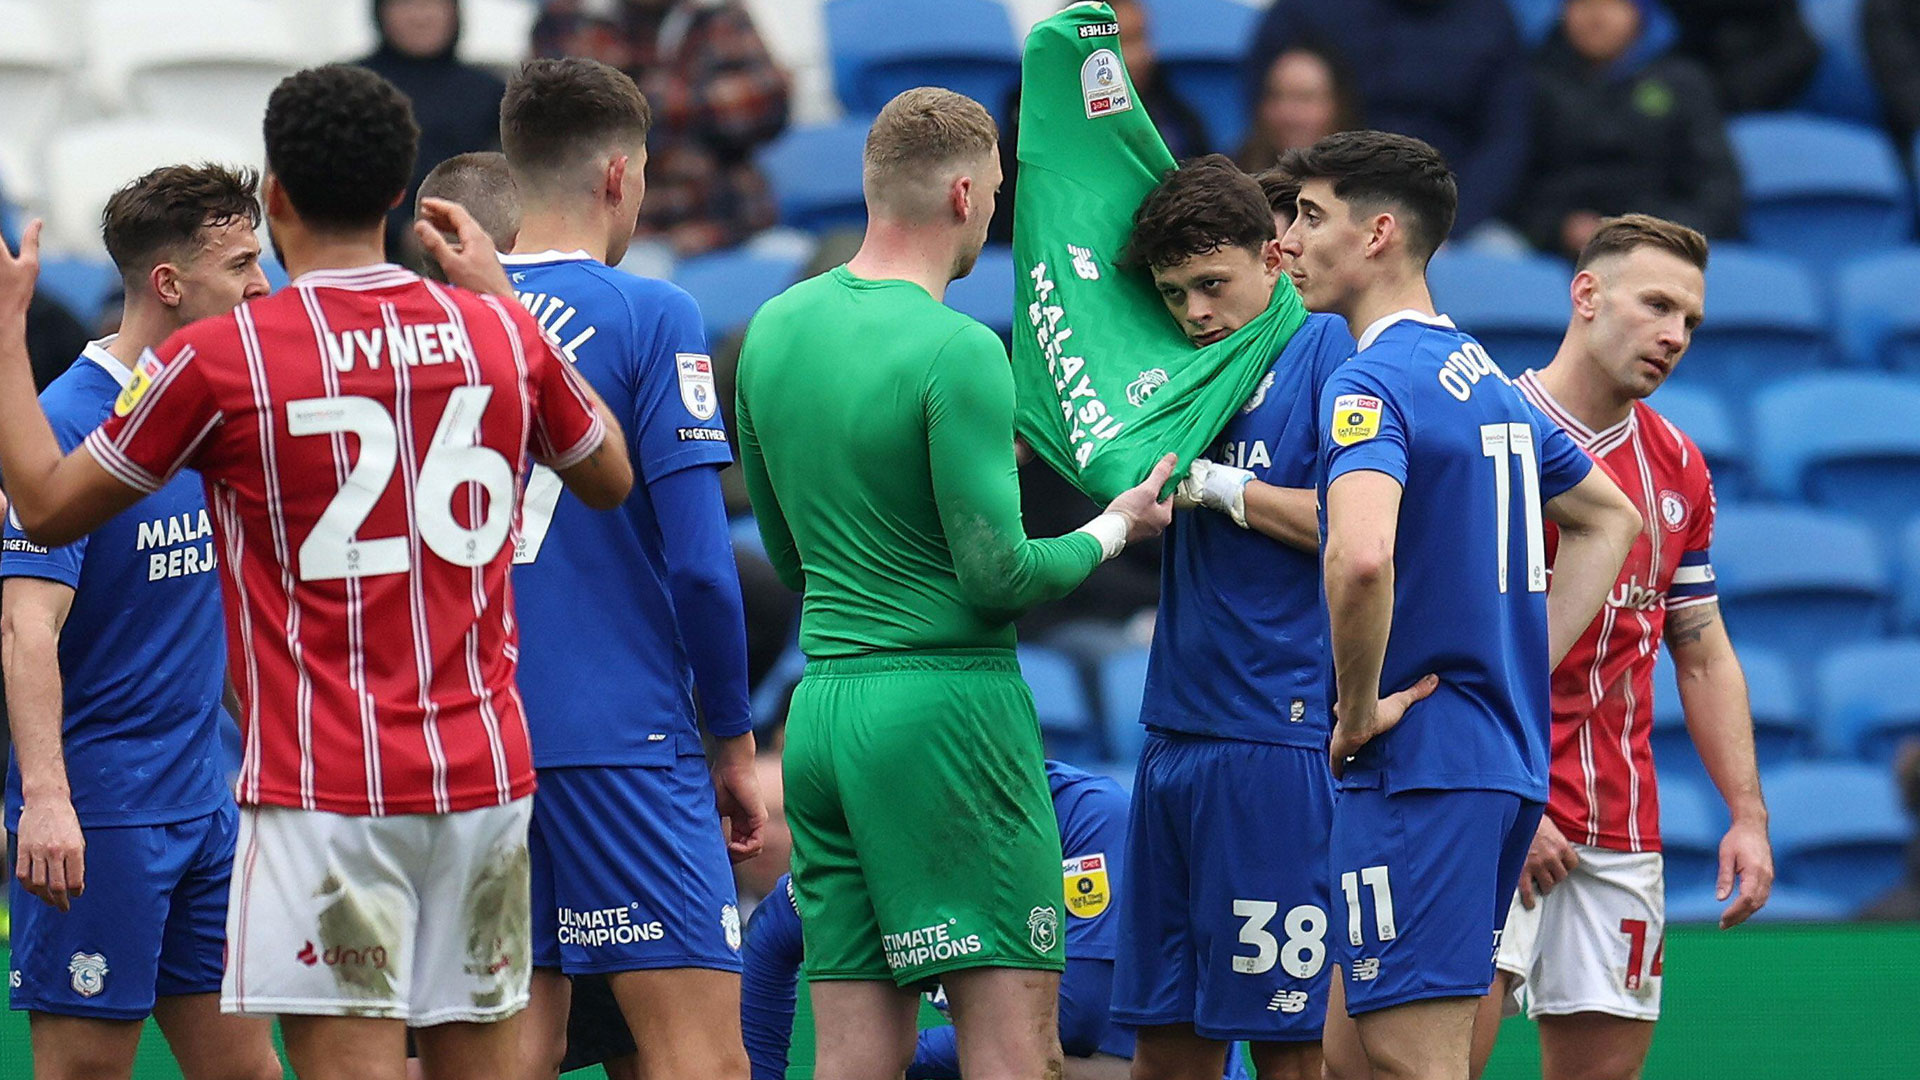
[1111,530]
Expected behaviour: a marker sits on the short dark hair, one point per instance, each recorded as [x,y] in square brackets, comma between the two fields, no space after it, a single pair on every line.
[1204,205]
[557,113]
[341,140]
[1377,169]
[481,183]
[158,217]
[1629,232]
[1282,190]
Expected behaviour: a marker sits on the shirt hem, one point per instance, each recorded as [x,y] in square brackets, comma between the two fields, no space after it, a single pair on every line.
[519,788]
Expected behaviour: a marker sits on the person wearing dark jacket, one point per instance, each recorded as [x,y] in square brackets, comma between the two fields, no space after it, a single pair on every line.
[1622,125]
[1760,52]
[1451,72]
[456,105]
[1892,30]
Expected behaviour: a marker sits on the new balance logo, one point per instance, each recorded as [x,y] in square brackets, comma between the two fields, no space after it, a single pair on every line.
[1366,970]
[1288,1001]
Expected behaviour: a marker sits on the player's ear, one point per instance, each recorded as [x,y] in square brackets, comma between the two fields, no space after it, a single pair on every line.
[1270,258]
[614,185]
[164,280]
[1586,294]
[1383,230]
[960,198]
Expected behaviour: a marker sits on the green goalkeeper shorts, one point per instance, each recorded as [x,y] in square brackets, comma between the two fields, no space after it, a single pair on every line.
[924,839]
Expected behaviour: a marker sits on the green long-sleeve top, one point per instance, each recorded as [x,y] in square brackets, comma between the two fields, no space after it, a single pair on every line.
[876,431]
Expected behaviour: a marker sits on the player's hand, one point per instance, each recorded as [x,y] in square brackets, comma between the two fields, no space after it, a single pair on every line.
[1147,514]
[1747,856]
[736,793]
[53,853]
[1549,860]
[1352,733]
[1222,488]
[470,259]
[18,273]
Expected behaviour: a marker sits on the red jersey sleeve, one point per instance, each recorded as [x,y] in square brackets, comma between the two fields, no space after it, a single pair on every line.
[162,418]
[1693,580]
[566,426]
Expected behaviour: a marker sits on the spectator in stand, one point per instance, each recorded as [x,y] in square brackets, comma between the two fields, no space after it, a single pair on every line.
[1902,902]
[1892,29]
[1308,94]
[1760,52]
[457,106]
[716,95]
[1622,124]
[1451,72]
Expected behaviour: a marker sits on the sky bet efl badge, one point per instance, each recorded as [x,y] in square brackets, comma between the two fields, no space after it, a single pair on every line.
[1356,418]
[144,373]
[1104,82]
[696,384]
[1088,891]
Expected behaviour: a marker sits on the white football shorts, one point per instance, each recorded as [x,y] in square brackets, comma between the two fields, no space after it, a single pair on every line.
[1593,944]
[415,917]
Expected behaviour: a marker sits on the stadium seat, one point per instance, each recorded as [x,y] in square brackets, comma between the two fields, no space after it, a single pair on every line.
[81,285]
[1785,904]
[1535,18]
[213,62]
[796,36]
[1781,731]
[1878,321]
[1060,697]
[1516,306]
[730,286]
[1837,827]
[1123,683]
[1201,46]
[1867,704]
[1844,441]
[1702,413]
[987,293]
[768,705]
[815,173]
[1767,320]
[1821,189]
[881,47]
[1842,85]
[1799,580]
[1692,820]
[33,75]
[86,165]
[1909,556]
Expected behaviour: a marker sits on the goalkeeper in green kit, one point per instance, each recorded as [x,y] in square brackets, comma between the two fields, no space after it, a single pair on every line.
[876,431]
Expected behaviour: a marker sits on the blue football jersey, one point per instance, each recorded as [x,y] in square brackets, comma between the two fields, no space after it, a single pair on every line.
[1423,403]
[1239,648]
[143,657]
[603,669]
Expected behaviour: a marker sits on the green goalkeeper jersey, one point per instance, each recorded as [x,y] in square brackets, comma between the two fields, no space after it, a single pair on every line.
[876,431]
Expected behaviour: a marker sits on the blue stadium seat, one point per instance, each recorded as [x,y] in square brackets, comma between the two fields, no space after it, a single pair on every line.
[1123,683]
[1867,703]
[1909,556]
[768,705]
[1798,580]
[731,285]
[1766,320]
[82,286]
[1842,85]
[1844,441]
[881,47]
[1060,697]
[815,174]
[1781,730]
[1516,306]
[1824,190]
[1201,45]
[1535,18]
[1785,904]
[1702,413]
[987,293]
[1837,827]
[1877,319]
[1692,820]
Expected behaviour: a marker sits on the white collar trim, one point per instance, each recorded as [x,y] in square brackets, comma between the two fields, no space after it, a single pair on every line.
[535,257]
[96,351]
[1600,442]
[1381,324]
[360,278]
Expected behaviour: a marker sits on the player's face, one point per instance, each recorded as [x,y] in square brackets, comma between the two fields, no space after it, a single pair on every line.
[1214,294]
[1282,221]
[1327,248]
[982,196]
[222,274]
[1644,307]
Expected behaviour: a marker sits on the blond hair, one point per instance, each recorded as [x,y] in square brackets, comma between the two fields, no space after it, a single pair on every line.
[921,140]
[1628,233]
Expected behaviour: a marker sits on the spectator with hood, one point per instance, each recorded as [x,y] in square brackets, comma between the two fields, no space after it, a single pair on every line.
[456,105]
[1760,53]
[1622,125]
[1451,72]
[1307,95]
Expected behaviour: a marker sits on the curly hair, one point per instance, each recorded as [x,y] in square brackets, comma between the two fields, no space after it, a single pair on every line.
[1204,205]
[158,217]
[1377,170]
[341,141]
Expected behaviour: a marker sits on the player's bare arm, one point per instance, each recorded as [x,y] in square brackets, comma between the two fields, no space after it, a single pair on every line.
[1363,516]
[470,261]
[1289,515]
[57,497]
[736,793]
[1598,525]
[52,859]
[1713,695]
[1550,858]
[603,478]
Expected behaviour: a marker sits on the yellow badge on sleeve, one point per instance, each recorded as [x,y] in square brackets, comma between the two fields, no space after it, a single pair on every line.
[144,373]
[1356,418]
[1088,891]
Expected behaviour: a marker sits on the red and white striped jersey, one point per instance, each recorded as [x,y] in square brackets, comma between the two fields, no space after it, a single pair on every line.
[1602,776]
[362,435]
